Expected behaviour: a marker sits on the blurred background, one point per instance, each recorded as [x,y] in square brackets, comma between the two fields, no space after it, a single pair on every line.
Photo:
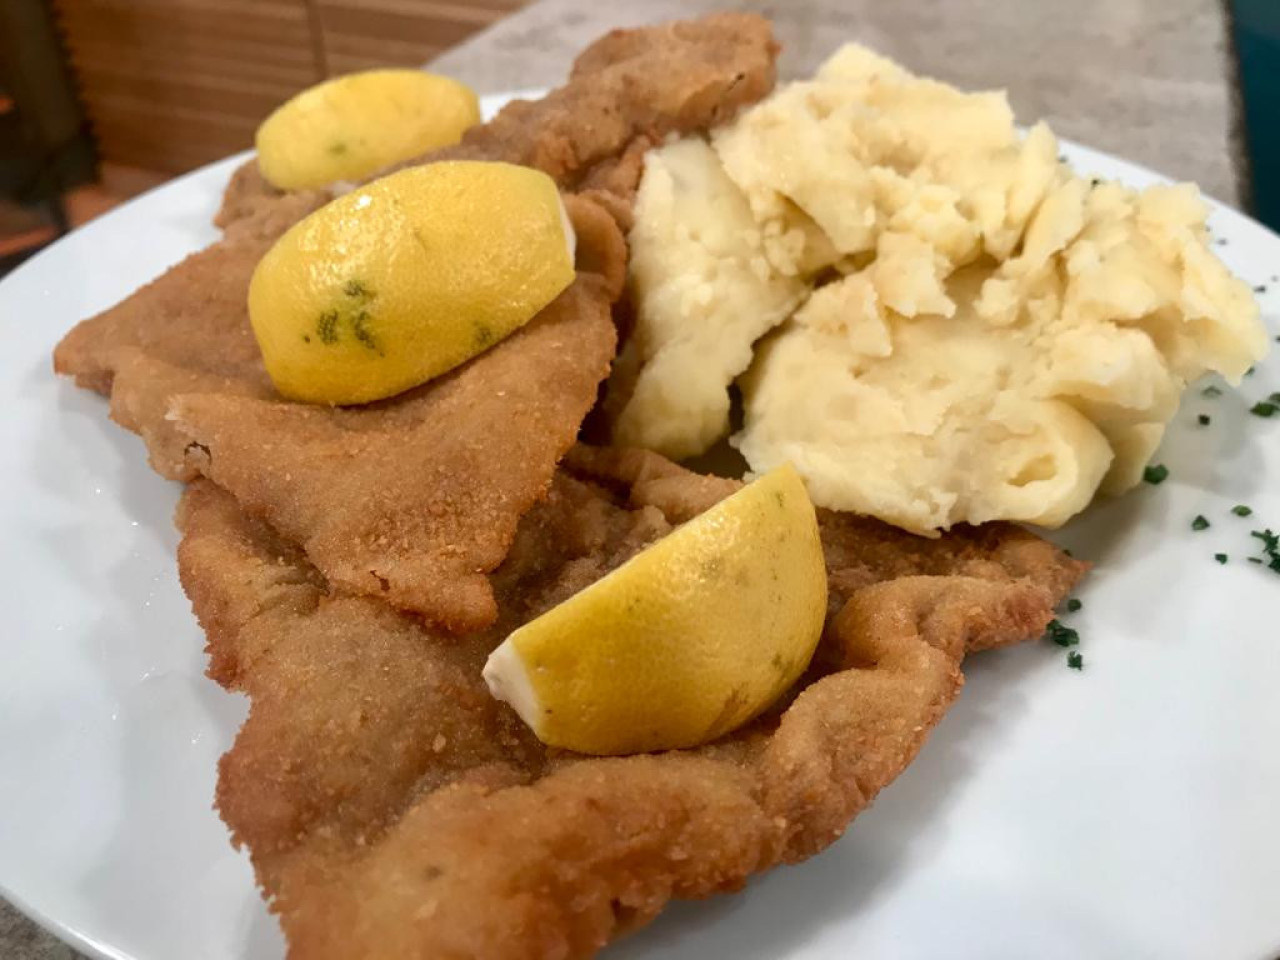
[102,99]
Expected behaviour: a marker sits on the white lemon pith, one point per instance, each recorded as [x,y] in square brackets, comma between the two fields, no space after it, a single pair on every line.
[408,277]
[978,333]
[352,126]
[686,641]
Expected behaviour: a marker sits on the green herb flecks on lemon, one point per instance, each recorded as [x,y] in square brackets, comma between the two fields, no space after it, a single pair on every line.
[353,126]
[408,277]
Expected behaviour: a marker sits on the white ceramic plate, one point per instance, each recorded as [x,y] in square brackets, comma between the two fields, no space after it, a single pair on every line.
[1130,810]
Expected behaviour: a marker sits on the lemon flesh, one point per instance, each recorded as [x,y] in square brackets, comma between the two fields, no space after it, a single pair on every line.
[686,641]
[352,126]
[408,277]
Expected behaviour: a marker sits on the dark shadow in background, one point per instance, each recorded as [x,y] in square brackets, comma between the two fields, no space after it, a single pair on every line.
[1256,35]
[45,145]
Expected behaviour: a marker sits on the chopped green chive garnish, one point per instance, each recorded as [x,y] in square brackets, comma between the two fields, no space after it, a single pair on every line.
[1270,549]
[1075,660]
[1240,510]
[1199,523]
[1073,605]
[1061,635]
[1203,419]
[1220,557]
[1265,409]
[1155,474]
[1274,398]
[1249,372]
[1211,391]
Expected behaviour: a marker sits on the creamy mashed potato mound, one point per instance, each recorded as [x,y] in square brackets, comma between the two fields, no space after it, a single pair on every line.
[965,330]
[704,292]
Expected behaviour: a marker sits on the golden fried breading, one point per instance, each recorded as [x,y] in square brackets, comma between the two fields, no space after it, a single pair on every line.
[393,808]
[628,89]
[415,499]
[419,499]
[248,192]
[185,332]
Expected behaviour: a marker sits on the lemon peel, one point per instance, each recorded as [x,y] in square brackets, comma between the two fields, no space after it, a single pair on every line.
[355,125]
[685,642]
[408,277]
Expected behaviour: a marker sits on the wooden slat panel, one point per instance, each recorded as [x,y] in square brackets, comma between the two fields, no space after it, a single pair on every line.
[158,67]
[162,52]
[214,94]
[205,71]
[446,8]
[164,155]
[170,84]
[138,22]
[340,63]
[365,33]
[345,54]
[122,38]
[165,149]
[340,20]
[217,109]
[172,143]
[218,120]
[180,10]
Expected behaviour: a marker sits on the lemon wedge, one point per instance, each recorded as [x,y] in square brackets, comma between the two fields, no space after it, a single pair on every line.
[408,277]
[686,641]
[352,126]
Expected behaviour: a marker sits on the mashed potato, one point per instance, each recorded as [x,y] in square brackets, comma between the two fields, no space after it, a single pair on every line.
[704,294]
[966,331]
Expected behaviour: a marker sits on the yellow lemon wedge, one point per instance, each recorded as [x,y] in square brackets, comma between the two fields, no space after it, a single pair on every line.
[684,642]
[408,277]
[352,126]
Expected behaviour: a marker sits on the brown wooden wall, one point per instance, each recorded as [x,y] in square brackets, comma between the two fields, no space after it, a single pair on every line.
[171,84]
